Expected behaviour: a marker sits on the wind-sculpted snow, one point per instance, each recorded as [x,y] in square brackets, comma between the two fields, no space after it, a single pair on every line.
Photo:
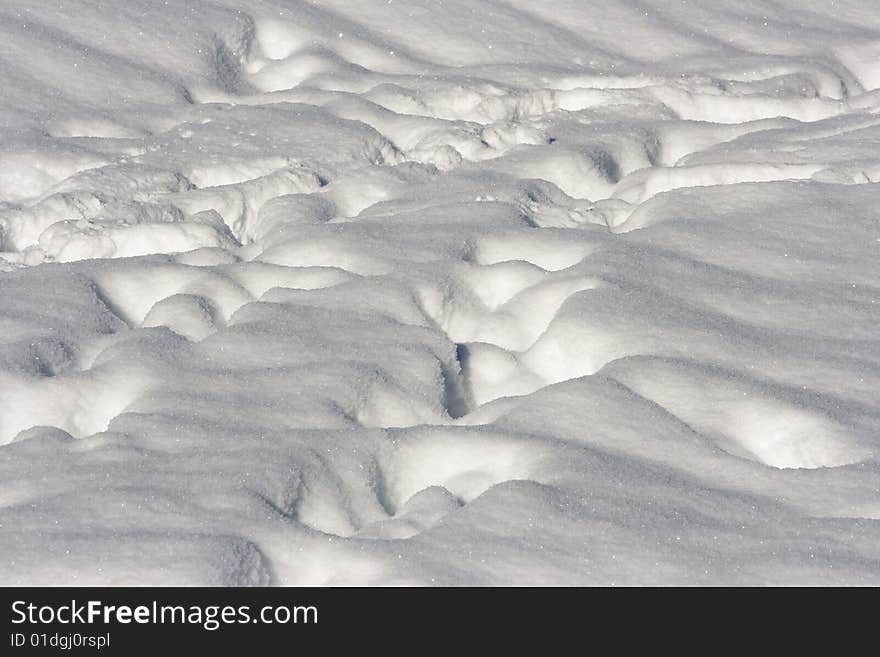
[439,292]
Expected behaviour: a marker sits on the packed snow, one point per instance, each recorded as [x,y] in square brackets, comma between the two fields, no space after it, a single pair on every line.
[440,292]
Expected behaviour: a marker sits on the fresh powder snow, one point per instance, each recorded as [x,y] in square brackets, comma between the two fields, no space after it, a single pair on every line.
[413,292]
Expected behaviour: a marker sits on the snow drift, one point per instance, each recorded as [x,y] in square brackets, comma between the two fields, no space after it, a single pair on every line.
[439,292]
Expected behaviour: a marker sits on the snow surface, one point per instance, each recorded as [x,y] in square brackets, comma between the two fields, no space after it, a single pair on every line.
[439,292]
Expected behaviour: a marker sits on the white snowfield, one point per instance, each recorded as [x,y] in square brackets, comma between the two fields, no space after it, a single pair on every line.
[439,292]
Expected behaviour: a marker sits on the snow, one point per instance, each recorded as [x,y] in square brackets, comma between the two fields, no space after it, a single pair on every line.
[439,292]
